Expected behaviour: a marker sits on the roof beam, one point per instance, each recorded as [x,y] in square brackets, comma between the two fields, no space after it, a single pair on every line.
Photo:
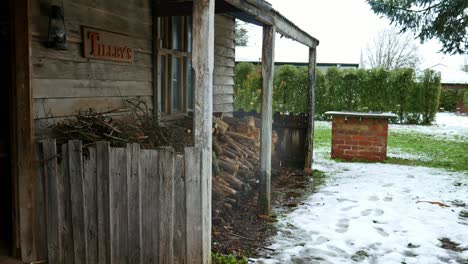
[271,17]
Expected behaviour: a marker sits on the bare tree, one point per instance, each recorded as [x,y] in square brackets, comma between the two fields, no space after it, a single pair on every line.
[391,50]
[464,67]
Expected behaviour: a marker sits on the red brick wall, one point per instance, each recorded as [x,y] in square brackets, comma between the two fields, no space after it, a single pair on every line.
[357,138]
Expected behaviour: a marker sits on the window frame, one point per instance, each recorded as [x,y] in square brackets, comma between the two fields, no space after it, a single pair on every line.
[165,55]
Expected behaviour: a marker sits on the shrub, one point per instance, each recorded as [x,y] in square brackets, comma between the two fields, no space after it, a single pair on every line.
[414,100]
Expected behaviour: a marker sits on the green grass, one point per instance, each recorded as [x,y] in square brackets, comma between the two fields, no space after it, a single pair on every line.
[227,259]
[436,152]
[441,153]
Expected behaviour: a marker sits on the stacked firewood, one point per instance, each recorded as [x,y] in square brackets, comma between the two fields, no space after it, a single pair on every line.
[236,144]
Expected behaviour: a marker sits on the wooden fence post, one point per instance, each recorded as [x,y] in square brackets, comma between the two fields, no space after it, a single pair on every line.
[311,100]
[266,128]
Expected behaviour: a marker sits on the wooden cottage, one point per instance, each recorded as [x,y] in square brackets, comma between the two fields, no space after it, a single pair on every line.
[122,205]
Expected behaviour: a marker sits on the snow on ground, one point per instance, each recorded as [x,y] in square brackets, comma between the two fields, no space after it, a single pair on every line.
[446,125]
[373,212]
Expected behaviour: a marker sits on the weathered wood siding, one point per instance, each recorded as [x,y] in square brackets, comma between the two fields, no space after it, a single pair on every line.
[121,205]
[224,62]
[64,82]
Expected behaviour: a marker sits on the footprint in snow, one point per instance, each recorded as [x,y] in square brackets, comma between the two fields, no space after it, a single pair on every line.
[388,185]
[378,212]
[366,212]
[342,226]
[348,208]
[373,198]
[388,199]
[381,231]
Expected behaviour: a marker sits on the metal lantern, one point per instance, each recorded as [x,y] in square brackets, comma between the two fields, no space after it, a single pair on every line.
[57,33]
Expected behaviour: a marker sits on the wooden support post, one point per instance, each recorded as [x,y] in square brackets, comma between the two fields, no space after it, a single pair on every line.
[311,98]
[203,63]
[22,133]
[268,55]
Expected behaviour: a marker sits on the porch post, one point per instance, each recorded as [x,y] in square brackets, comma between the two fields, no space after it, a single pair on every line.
[199,243]
[311,99]
[266,128]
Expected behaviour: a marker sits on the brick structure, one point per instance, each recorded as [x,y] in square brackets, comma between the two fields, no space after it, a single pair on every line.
[359,136]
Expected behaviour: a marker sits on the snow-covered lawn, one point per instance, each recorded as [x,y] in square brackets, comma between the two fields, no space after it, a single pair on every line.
[379,213]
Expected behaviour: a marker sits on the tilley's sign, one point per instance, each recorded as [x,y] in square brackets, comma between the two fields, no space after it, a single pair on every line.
[103,45]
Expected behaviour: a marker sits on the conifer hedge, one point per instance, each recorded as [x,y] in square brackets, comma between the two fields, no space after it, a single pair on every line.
[414,99]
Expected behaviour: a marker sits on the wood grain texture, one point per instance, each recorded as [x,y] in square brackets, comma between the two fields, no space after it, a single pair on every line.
[149,201]
[203,61]
[166,205]
[90,192]
[180,219]
[194,205]
[67,223]
[60,107]
[118,205]
[134,205]
[268,65]
[40,225]
[54,202]
[103,201]
[22,131]
[75,172]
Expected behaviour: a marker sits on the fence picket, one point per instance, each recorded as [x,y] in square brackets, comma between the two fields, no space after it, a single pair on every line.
[194,205]
[124,205]
[118,205]
[65,189]
[166,205]
[180,243]
[134,209]
[149,201]
[103,221]
[75,169]
[90,205]
[54,205]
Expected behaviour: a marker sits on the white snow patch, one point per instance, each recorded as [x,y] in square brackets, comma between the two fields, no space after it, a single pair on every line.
[374,208]
[446,125]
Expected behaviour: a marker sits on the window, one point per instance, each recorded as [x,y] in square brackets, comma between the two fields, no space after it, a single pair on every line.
[175,57]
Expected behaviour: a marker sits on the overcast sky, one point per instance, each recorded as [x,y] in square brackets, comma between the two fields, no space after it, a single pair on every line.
[344,28]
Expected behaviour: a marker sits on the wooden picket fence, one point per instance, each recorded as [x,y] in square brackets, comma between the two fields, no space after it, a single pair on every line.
[123,205]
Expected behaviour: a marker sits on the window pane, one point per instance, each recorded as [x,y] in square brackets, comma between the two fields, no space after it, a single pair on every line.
[176,31]
[189,34]
[163,84]
[176,105]
[189,72]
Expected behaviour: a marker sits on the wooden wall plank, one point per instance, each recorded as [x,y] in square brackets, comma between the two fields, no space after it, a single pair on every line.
[224,61]
[103,201]
[223,89]
[58,88]
[149,201]
[180,219]
[223,80]
[223,108]
[166,205]
[118,205]
[54,202]
[67,223]
[223,99]
[224,71]
[74,52]
[91,205]
[75,170]
[48,108]
[134,209]
[44,68]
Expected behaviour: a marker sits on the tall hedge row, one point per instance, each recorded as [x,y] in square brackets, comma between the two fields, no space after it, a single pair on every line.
[414,99]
